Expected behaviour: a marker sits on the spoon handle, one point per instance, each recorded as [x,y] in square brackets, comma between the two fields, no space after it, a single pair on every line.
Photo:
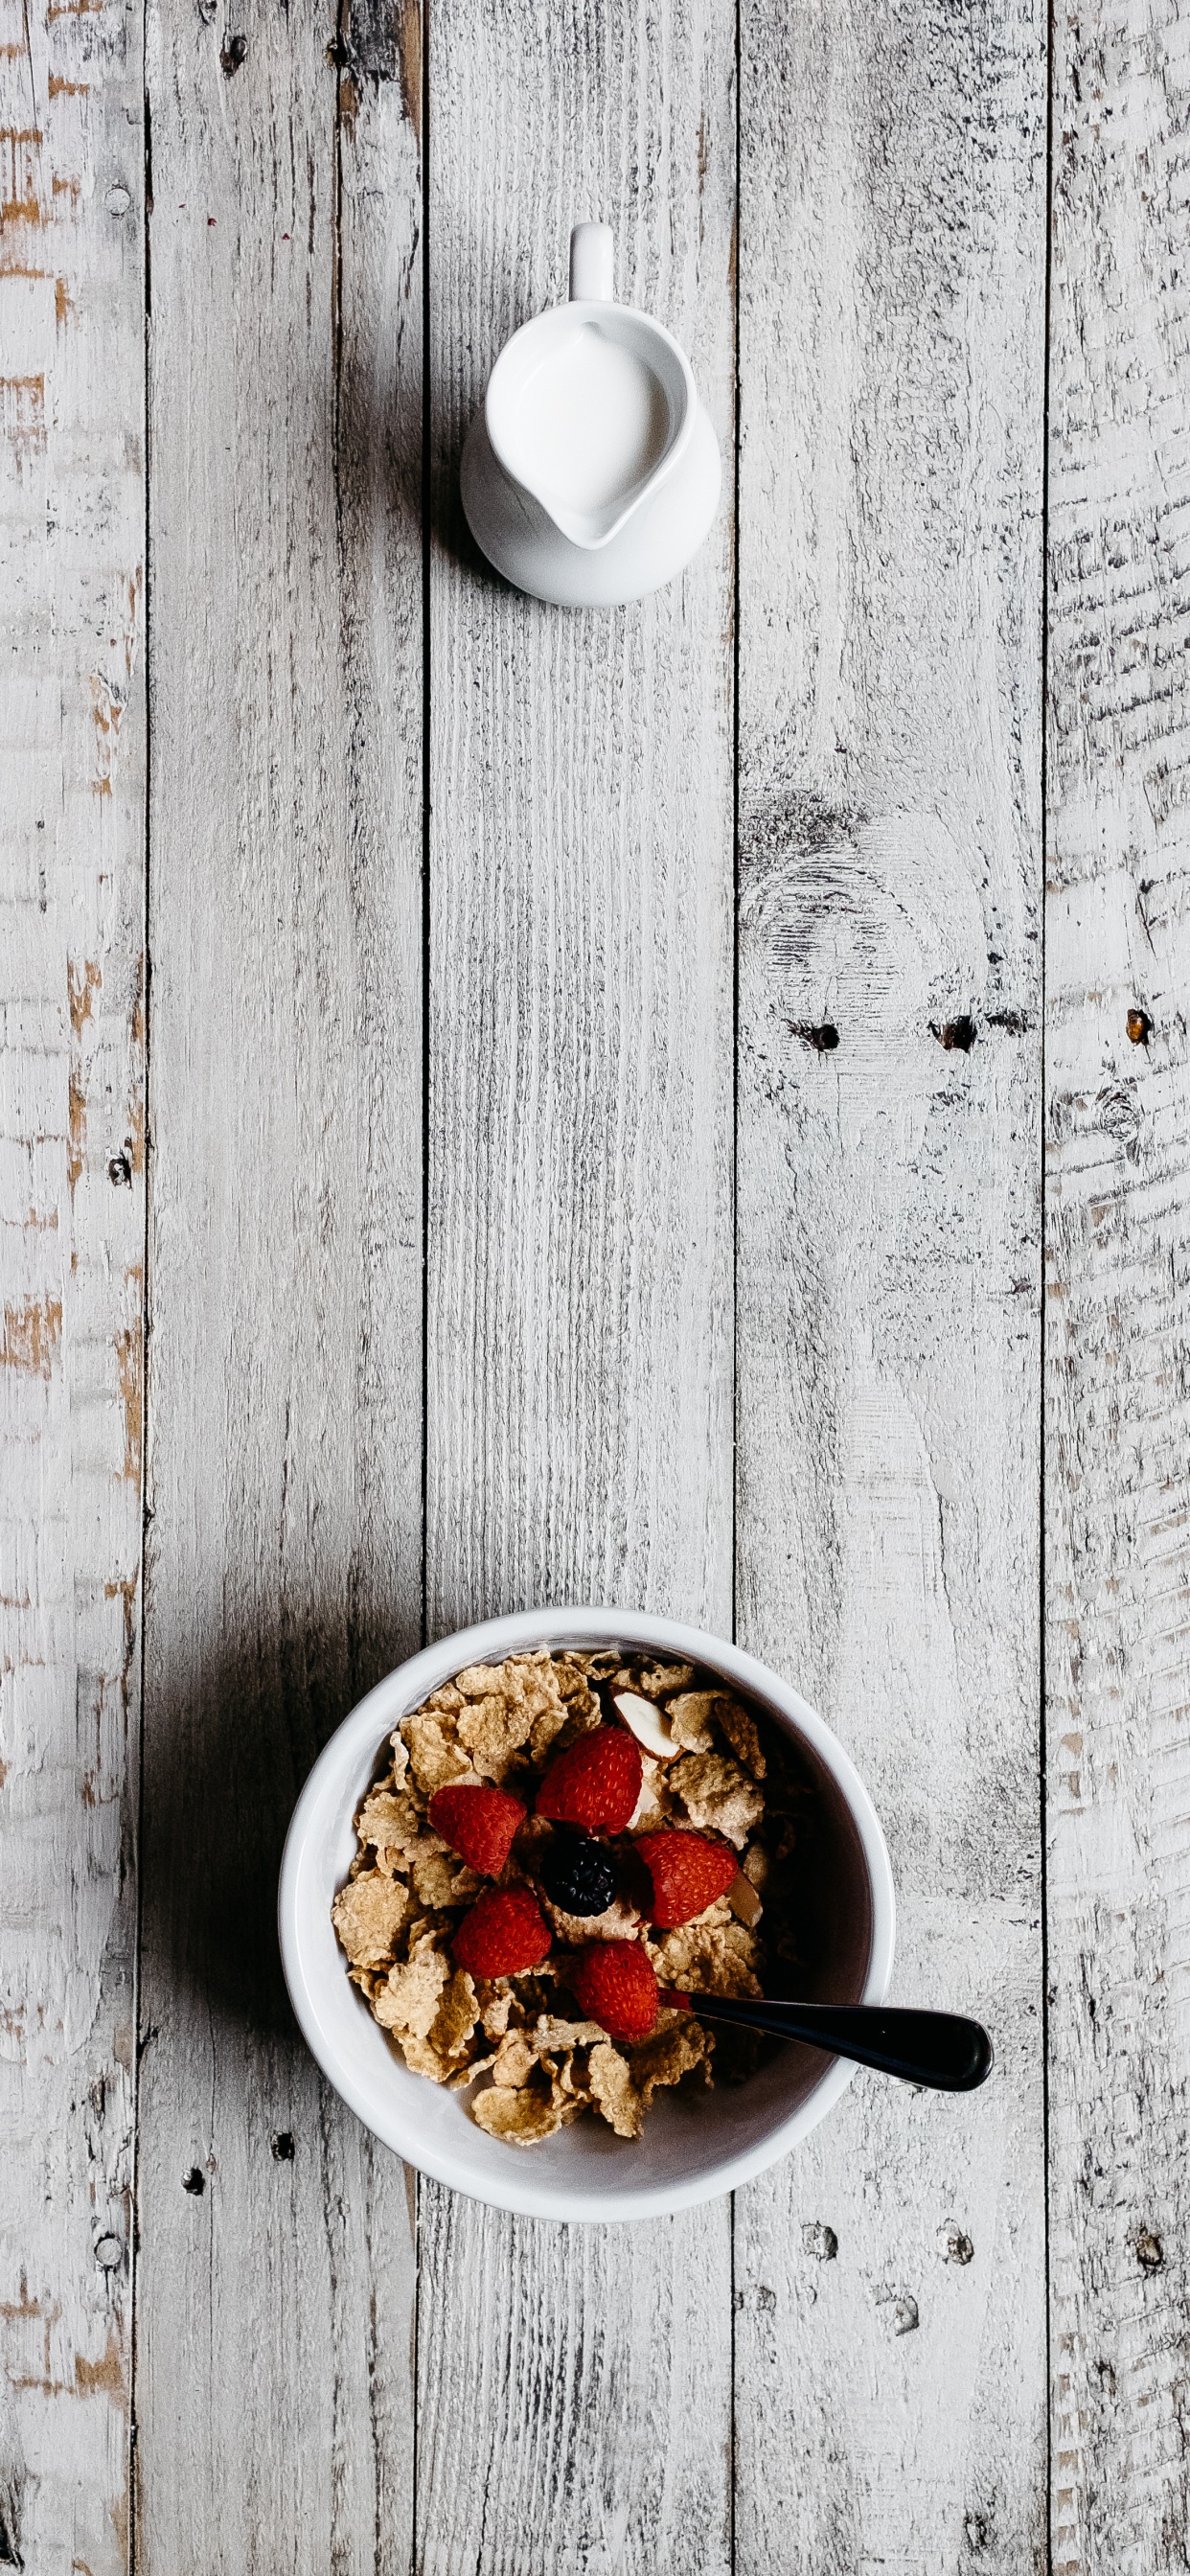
[937,2048]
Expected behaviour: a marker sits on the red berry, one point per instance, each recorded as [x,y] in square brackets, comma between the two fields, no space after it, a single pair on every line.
[687,1872]
[596,1784]
[614,1985]
[478,1823]
[504,1933]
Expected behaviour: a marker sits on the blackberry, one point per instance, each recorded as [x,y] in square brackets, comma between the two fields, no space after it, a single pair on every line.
[578,1876]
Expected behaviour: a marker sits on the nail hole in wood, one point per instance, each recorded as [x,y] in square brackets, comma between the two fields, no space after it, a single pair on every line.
[119,1172]
[1150,2252]
[956,2247]
[820,2241]
[194,2181]
[958,1033]
[900,2309]
[231,54]
[824,1040]
[1139,1027]
[283,2147]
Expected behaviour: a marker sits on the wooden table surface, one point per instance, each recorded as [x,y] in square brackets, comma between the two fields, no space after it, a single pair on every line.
[503,1106]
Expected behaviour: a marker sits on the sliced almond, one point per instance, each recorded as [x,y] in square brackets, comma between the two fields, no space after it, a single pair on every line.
[744,1901]
[647,1723]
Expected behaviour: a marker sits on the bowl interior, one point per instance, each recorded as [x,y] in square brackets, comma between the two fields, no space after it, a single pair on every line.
[689,2148]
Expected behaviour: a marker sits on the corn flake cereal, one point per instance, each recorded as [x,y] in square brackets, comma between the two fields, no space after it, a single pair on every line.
[717,1796]
[368,1914]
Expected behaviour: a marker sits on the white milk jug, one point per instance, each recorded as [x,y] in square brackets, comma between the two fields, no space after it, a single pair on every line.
[591,473]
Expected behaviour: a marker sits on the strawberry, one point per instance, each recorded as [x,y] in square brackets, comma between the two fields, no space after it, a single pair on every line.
[504,1933]
[688,1873]
[596,1784]
[478,1823]
[614,1985]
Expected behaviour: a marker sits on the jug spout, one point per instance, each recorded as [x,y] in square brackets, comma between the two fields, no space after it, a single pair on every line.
[592,252]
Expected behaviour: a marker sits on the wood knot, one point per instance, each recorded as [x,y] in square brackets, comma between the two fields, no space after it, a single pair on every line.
[1139,1026]
[956,2247]
[1150,2252]
[194,2181]
[820,2241]
[283,2147]
[824,1040]
[231,54]
[958,1033]
[119,1172]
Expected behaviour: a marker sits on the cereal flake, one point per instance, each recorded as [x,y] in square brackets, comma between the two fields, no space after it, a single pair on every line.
[367,1915]
[717,1795]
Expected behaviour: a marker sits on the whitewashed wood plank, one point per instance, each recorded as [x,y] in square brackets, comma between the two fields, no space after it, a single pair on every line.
[275,2303]
[890,2344]
[1118,1315]
[72,758]
[579,1247]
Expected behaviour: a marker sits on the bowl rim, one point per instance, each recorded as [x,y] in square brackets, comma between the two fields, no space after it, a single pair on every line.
[375,1716]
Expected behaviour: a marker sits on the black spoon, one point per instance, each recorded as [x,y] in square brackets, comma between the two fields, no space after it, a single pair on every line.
[937,2048]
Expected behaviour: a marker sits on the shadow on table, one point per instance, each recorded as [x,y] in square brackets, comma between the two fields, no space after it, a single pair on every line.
[381,476]
[227,1746]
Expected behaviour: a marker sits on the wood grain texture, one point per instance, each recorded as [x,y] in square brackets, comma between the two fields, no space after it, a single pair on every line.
[1118,1316]
[72,753]
[573,2387]
[890,2343]
[573,1193]
[276,2274]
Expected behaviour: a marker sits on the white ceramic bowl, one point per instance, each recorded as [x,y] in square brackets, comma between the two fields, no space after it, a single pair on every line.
[690,2149]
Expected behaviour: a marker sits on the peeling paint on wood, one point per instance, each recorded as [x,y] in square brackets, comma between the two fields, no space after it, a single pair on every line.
[579,1219]
[880,2301]
[283,1567]
[890,2404]
[71,1045]
[1118,1269]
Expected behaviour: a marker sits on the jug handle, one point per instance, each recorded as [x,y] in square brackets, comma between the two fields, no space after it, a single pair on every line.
[592,252]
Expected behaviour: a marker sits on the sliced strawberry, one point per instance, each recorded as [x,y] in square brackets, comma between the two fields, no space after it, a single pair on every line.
[614,1984]
[504,1933]
[596,1784]
[688,1873]
[478,1823]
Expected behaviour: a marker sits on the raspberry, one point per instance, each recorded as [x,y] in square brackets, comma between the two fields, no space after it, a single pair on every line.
[614,1985]
[479,1824]
[595,1785]
[687,1872]
[579,1877]
[504,1933]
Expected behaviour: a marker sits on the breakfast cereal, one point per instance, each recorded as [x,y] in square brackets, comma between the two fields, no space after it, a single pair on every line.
[498,1730]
